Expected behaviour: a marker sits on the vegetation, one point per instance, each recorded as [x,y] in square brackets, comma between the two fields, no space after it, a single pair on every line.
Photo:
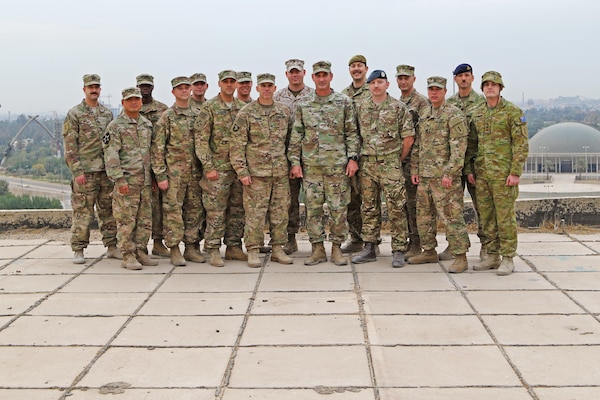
[540,118]
[9,201]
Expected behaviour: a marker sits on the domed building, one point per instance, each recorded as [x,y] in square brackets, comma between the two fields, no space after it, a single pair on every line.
[566,147]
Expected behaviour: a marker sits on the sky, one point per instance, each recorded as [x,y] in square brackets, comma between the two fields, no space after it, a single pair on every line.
[542,48]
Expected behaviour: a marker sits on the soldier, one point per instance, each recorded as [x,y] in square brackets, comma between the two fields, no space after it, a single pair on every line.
[498,143]
[127,156]
[290,96]
[199,87]
[221,191]
[82,132]
[152,110]
[244,86]
[178,174]
[258,155]
[436,166]
[324,151]
[387,134]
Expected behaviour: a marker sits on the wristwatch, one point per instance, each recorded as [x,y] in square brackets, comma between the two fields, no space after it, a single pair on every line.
[353,158]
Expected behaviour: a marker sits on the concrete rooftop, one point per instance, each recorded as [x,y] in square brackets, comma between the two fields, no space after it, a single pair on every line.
[360,332]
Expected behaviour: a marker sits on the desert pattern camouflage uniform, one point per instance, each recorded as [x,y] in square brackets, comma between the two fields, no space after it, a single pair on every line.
[258,149]
[323,138]
[174,159]
[440,152]
[500,149]
[82,133]
[222,198]
[382,128]
[286,97]
[127,155]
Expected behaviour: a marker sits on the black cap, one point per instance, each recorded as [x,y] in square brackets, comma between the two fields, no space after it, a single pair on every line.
[378,73]
[462,68]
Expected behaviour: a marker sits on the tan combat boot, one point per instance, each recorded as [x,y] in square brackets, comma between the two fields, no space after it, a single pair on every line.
[130,262]
[446,254]
[352,246]
[144,259]
[159,249]
[414,249]
[291,246]
[113,252]
[506,266]
[317,256]
[192,253]
[491,262]
[459,265]
[428,256]
[176,257]
[235,253]
[253,259]
[336,255]
[214,258]
[279,256]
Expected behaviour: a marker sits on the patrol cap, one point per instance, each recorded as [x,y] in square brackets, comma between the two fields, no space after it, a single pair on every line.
[294,64]
[358,58]
[406,70]
[462,68]
[144,79]
[265,78]
[492,76]
[436,81]
[244,76]
[91,79]
[377,74]
[197,77]
[228,73]
[321,66]
[131,92]
[180,80]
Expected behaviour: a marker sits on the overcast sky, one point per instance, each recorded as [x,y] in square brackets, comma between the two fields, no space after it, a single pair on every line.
[543,48]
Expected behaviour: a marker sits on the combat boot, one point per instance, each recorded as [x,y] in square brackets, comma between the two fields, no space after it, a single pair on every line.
[317,256]
[279,256]
[446,254]
[113,252]
[367,254]
[483,254]
[506,266]
[336,255]
[491,262]
[159,249]
[459,265]
[144,259]
[352,246]
[176,257]
[78,257]
[397,259]
[253,260]
[428,256]
[264,249]
[214,258]
[235,253]
[414,249]
[130,262]
[192,253]
[291,246]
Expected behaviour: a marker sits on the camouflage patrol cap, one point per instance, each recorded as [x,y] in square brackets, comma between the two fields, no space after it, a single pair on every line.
[406,70]
[91,79]
[358,58]
[436,81]
[294,64]
[198,77]
[180,80]
[144,79]
[131,92]
[244,76]
[462,68]
[227,74]
[492,76]
[377,74]
[321,66]
[265,78]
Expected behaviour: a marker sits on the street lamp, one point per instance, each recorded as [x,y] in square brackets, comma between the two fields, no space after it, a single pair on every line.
[542,148]
[585,148]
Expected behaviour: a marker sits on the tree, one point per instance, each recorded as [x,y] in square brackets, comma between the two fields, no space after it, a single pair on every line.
[3,188]
[580,166]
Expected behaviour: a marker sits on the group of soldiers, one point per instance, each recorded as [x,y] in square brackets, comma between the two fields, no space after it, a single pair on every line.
[218,170]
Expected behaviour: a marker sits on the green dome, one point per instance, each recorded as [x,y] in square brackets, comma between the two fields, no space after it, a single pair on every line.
[566,137]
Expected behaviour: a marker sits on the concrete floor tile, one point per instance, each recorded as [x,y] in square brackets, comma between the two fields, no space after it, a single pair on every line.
[566,263]
[32,266]
[144,394]
[317,393]
[209,283]
[305,303]
[557,365]
[302,330]
[90,304]
[32,283]
[426,330]
[449,302]
[180,331]
[570,393]
[12,252]
[56,250]
[196,304]
[22,242]
[42,367]
[490,393]
[574,281]
[594,246]
[30,394]
[159,368]
[457,366]
[590,300]
[488,280]
[61,331]
[535,237]
[299,267]
[583,237]
[569,248]
[404,282]
[544,329]
[130,282]
[16,303]
[384,264]
[523,302]
[112,266]
[310,281]
[301,367]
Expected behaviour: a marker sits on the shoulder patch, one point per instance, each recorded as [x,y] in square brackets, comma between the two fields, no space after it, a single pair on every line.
[236,128]
[106,137]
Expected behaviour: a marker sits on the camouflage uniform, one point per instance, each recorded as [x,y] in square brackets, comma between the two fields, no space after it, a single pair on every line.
[127,154]
[323,138]
[438,152]
[222,198]
[174,159]
[499,144]
[82,132]
[196,105]
[258,149]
